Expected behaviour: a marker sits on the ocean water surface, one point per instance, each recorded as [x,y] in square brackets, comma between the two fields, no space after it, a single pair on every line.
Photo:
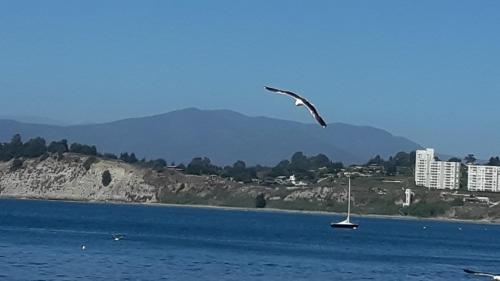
[41,240]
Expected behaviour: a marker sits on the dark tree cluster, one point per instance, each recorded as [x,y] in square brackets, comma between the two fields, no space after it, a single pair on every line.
[35,147]
[129,158]
[58,146]
[304,167]
[470,159]
[494,161]
[157,164]
[83,149]
[260,201]
[301,166]
[240,172]
[109,156]
[202,166]
[402,162]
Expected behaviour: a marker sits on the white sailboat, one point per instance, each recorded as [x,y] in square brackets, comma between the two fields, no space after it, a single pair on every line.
[346,223]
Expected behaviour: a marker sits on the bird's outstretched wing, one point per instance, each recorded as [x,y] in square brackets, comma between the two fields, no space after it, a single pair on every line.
[493,275]
[314,113]
[310,106]
[284,92]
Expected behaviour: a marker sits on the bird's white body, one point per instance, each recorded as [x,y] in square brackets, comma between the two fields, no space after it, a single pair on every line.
[298,102]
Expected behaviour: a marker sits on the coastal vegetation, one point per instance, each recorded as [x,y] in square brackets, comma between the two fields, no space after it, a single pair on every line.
[88,163]
[37,147]
[308,168]
[302,182]
[260,201]
[302,167]
[106,178]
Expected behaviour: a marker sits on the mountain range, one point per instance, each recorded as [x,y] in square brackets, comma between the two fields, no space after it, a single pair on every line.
[224,136]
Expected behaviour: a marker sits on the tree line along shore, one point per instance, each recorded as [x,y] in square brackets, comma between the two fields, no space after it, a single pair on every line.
[378,185]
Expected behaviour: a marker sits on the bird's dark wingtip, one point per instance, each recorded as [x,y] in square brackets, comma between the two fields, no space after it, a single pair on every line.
[272,89]
[468,271]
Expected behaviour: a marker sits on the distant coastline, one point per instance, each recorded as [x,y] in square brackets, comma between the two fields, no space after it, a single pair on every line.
[83,178]
[325,213]
[270,210]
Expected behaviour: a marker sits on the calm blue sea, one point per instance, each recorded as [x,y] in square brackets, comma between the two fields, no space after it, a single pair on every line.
[41,240]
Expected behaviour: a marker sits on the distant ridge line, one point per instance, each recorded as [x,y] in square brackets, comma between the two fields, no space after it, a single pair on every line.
[223,135]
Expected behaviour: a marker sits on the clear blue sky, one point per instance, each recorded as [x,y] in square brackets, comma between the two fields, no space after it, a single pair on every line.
[427,70]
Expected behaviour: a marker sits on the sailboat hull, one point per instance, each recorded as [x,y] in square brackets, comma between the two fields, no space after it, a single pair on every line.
[344,225]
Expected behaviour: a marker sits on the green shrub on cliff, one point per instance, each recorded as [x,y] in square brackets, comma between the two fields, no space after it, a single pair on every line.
[106,178]
[88,163]
[16,165]
[260,201]
[427,209]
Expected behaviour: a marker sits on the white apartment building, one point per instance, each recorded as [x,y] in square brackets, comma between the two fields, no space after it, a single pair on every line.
[435,174]
[483,178]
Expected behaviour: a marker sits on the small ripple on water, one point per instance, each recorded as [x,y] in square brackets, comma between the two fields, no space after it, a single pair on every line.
[19,265]
[270,264]
[37,263]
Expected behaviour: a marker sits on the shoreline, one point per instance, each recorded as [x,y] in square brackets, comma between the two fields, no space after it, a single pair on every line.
[270,210]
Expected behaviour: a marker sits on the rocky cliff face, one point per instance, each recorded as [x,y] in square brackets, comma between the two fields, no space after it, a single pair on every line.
[67,177]
[78,177]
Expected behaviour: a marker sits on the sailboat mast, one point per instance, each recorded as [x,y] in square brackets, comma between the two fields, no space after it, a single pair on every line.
[349,200]
[346,223]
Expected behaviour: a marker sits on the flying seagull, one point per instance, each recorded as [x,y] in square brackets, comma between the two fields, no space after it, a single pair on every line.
[299,101]
[492,275]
